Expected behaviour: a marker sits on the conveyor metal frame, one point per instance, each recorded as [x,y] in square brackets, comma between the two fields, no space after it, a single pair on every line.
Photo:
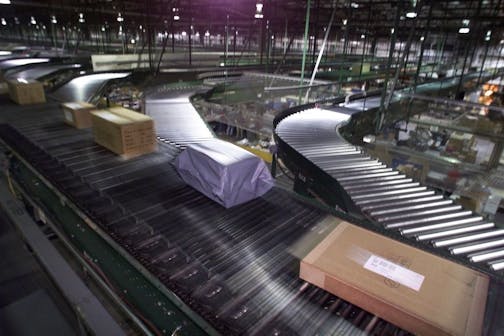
[174,299]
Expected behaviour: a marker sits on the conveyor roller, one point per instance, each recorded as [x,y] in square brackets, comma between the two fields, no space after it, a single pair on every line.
[391,200]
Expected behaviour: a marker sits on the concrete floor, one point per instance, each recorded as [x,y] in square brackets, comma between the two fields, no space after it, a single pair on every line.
[25,290]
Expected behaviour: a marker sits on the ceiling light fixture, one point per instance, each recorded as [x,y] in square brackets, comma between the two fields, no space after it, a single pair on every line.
[32,20]
[81,18]
[465,27]
[207,33]
[119,17]
[259,11]
[53,19]
[176,15]
[4,23]
[5,2]
[488,35]
[345,21]
[354,5]
[411,15]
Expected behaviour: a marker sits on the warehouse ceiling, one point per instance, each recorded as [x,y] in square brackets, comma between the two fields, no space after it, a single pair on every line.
[374,18]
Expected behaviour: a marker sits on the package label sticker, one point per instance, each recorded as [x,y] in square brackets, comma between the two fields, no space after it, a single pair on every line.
[69,116]
[394,272]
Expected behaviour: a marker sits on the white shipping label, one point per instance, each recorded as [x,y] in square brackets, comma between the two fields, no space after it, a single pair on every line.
[394,272]
[492,204]
[69,116]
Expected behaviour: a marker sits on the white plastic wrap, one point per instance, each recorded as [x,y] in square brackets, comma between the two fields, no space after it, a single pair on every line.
[224,172]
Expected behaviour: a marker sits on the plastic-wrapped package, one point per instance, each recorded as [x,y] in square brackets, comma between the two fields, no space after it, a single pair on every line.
[224,172]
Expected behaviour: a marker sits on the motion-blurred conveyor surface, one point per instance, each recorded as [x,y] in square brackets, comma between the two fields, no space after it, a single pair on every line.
[177,122]
[84,88]
[233,267]
[343,175]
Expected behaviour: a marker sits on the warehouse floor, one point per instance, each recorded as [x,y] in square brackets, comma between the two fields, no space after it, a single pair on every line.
[26,290]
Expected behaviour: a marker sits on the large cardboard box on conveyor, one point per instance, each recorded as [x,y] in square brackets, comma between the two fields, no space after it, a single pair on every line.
[26,91]
[124,132]
[415,290]
[77,114]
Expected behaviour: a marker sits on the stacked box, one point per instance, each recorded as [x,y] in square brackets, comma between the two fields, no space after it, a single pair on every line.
[26,91]
[123,131]
[460,142]
[415,290]
[77,114]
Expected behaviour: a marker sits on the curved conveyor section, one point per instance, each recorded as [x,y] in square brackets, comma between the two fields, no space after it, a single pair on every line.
[389,198]
[177,121]
[41,70]
[83,88]
[15,62]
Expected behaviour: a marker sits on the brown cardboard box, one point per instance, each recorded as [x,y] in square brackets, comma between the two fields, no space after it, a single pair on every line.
[460,142]
[78,114]
[124,132]
[26,91]
[356,68]
[417,291]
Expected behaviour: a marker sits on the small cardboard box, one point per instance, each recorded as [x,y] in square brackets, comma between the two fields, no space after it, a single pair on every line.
[124,132]
[419,292]
[26,91]
[77,114]
[460,142]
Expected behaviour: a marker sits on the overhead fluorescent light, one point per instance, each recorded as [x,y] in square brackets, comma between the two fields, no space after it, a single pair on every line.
[411,15]
[464,30]
[259,11]
[5,2]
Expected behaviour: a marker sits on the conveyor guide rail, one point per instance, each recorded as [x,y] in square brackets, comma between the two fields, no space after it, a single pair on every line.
[310,138]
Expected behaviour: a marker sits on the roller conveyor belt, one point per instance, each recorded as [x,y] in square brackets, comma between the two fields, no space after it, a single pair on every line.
[231,266]
[385,196]
[177,121]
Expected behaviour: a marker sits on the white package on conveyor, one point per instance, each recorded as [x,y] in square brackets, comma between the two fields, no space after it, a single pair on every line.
[224,172]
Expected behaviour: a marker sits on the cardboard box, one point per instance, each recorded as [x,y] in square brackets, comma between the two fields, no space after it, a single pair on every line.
[356,68]
[78,114]
[460,142]
[417,291]
[26,91]
[124,132]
